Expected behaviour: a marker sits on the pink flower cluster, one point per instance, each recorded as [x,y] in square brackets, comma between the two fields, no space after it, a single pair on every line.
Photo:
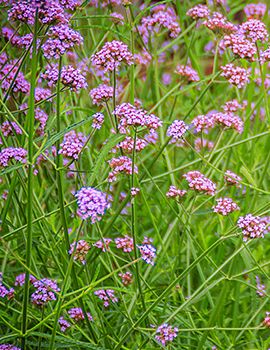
[229,120]
[61,39]
[107,296]
[112,55]
[12,153]
[176,130]
[233,106]
[255,30]
[235,75]
[166,334]
[217,22]
[76,313]
[266,320]
[256,11]
[174,192]
[128,115]
[125,243]
[126,278]
[231,178]
[98,119]
[225,206]
[127,144]
[199,11]
[70,77]
[199,182]
[92,203]
[101,94]
[251,226]
[72,145]
[79,250]
[162,17]
[203,122]
[120,165]
[241,46]
[148,253]
[103,244]
[187,72]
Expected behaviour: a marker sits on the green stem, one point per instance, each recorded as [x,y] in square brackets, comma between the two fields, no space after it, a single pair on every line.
[30,120]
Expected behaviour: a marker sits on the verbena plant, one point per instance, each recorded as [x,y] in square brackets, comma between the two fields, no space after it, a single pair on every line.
[134,170]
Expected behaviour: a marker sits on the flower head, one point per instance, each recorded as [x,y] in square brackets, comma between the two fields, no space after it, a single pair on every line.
[112,55]
[176,130]
[12,153]
[225,206]
[125,243]
[235,75]
[79,250]
[231,178]
[72,145]
[119,165]
[166,334]
[187,72]
[174,192]
[199,182]
[101,94]
[107,296]
[92,203]
[199,11]
[148,253]
[251,226]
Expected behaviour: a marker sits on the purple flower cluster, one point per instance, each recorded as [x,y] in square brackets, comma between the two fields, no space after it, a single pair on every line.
[61,39]
[198,12]
[162,17]
[235,75]
[4,292]
[166,334]
[12,153]
[70,77]
[176,130]
[8,347]
[199,182]
[233,106]
[148,253]
[42,94]
[187,72]
[128,116]
[231,178]
[45,291]
[98,119]
[103,244]
[175,192]
[92,203]
[72,145]
[225,206]
[10,128]
[101,94]
[76,313]
[120,165]
[13,79]
[40,115]
[107,296]
[79,250]
[64,324]
[251,226]
[112,55]
[261,292]
[256,11]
